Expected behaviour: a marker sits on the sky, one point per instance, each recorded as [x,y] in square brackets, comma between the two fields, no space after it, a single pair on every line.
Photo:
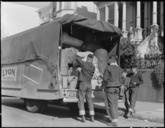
[88,4]
[33,4]
[20,16]
[16,18]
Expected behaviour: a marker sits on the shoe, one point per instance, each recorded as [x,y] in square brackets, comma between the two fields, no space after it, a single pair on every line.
[83,119]
[114,124]
[130,114]
[92,119]
[125,115]
[108,120]
[109,124]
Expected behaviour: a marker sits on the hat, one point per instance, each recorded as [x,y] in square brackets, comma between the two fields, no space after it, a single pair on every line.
[113,58]
[90,56]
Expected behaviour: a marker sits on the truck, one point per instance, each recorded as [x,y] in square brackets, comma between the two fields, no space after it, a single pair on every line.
[31,61]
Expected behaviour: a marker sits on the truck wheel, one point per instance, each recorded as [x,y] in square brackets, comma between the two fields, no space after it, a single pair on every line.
[35,105]
[31,105]
[43,106]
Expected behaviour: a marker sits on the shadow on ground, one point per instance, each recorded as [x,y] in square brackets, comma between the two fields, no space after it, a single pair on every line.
[59,111]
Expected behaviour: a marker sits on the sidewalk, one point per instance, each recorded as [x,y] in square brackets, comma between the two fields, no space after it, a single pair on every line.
[148,111]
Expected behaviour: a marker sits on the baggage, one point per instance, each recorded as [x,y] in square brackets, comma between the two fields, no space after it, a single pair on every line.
[71,41]
[68,55]
[102,56]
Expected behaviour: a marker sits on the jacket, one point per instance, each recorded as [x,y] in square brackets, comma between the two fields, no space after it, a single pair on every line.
[112,76]
[136,79]
[87,69]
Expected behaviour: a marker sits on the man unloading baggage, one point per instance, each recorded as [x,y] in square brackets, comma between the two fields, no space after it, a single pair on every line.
[85,87]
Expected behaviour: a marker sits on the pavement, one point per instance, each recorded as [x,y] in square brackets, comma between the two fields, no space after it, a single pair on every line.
[14,114]
[147,111]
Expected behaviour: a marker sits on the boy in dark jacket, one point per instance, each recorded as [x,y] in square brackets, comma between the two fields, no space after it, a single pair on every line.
[111,83]
[132,91]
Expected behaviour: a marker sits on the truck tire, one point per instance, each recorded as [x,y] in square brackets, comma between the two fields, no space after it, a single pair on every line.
[35,106]
[43,106]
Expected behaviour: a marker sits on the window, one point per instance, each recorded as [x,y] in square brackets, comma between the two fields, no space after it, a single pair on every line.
[134,16]
[60,5]
[67,5]
[151,13]
[130,15]
[102,14]
[111,14]
[160,17]
[120,15]
[142,10]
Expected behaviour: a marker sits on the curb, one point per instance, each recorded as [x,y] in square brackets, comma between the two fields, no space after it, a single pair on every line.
[136,115]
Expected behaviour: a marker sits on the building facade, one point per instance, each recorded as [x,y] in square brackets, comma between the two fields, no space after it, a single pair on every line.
[59,9]
[137,19]
[14,21]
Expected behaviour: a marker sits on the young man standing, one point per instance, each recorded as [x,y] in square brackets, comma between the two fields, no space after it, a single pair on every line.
[111,82]
[85,87]
[132,91]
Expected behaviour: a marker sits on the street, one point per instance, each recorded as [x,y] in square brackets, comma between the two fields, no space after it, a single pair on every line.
[15,115]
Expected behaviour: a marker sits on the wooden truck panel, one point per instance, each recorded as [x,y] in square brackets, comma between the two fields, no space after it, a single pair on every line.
[10,80]
[29,80]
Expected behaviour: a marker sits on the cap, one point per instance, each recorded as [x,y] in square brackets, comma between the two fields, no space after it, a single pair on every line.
[90,56]
[113,58]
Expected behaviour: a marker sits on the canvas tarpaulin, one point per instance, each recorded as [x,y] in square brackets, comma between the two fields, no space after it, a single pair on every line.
[90,23]
[106,35]
[37,43]
[42,42]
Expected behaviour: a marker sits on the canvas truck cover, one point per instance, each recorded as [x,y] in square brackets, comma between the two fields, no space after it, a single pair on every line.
[37,43]
[42,42]
[102,28]
[97,25]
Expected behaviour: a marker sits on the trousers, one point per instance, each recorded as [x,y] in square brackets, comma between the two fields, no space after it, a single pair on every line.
[130,95]
[85,92]
[111,102]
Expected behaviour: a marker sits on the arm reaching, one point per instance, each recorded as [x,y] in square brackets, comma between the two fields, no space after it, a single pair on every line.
[105,77]
[78,62]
